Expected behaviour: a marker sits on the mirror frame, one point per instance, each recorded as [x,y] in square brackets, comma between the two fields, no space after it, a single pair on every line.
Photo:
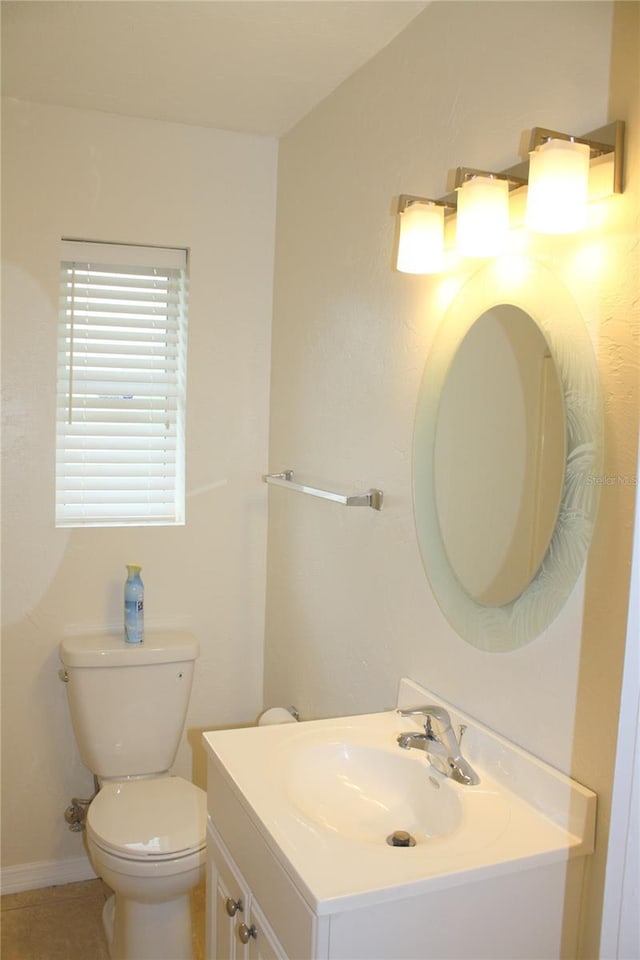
[527,284]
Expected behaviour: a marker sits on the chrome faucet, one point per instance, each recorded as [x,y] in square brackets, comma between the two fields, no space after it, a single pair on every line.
[439,743]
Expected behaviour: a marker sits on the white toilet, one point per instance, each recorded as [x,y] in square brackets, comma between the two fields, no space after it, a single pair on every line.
[145,829]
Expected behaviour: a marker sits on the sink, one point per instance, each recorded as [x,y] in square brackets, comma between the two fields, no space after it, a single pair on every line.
[325,795]
[366,793]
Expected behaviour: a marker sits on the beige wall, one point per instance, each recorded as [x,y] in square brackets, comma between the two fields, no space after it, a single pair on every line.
[349,610]
[96,176]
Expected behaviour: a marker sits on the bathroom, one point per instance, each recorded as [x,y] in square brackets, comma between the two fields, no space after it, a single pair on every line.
[306,351]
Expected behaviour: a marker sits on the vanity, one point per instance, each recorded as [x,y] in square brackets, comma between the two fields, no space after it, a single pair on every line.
[300,864]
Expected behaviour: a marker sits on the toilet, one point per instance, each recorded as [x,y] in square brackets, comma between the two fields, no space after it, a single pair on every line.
[145,828]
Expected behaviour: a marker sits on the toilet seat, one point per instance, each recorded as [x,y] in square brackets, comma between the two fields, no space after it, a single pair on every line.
[148,819]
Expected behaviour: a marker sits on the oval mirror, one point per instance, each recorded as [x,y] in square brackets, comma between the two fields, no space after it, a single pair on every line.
[506,454]
[499,455]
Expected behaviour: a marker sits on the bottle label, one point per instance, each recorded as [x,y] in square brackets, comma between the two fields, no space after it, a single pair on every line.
[134,621]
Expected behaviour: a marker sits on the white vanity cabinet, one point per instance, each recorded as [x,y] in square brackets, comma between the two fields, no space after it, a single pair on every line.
[491,919]
[299,817]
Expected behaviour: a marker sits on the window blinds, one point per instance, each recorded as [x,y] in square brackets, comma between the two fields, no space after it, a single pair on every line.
[121,385]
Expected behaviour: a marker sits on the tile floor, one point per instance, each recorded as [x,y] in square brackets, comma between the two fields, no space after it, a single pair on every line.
[65,923]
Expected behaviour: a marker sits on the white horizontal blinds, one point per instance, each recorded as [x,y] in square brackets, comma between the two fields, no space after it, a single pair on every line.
[121,385]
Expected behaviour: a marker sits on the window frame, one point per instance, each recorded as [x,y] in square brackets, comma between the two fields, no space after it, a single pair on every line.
[121,385]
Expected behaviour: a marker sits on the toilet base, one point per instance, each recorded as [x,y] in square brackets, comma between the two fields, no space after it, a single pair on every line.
[108,919]
[149,915]
[148,931]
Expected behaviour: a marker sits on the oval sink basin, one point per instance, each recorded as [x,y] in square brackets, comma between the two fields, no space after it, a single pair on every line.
[366,793]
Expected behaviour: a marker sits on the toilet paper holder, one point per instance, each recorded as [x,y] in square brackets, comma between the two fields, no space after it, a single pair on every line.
[275,715]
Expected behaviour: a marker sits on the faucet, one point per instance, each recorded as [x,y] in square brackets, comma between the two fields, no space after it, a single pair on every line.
[439,743]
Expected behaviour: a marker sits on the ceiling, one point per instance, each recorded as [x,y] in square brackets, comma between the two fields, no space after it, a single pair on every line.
[256,66]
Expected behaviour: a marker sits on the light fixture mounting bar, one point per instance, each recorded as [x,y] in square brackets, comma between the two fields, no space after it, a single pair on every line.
[466,173]
[603,141]
[448,202]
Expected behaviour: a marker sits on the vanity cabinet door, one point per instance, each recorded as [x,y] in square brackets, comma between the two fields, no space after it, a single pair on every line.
[227,908]
[237,929]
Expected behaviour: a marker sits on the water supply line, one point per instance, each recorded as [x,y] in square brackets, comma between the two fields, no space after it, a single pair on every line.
[76,812]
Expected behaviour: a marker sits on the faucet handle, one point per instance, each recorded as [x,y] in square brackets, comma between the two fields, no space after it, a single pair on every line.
[431,713]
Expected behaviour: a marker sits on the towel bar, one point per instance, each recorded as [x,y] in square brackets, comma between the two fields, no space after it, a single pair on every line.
[373,498]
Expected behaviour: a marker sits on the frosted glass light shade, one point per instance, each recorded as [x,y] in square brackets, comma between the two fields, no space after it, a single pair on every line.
[421,243]
[558,187]
[483,217]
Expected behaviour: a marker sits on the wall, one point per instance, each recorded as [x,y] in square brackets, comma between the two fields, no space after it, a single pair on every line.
[96,176]
[349,610]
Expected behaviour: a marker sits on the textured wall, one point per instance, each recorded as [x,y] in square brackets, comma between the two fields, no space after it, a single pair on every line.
[349,610]
[95,176]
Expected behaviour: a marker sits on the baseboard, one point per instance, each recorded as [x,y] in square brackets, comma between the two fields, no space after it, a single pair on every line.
[45,873]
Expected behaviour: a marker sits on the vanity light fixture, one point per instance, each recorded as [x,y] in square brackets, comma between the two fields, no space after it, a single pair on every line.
[563,172]
[559,179]
[482,229]
[421,241]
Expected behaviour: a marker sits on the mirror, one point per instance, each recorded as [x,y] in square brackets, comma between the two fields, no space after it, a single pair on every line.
[506,454]
[499,455]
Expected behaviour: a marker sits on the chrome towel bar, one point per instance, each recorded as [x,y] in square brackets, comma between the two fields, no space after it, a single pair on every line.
[373,498]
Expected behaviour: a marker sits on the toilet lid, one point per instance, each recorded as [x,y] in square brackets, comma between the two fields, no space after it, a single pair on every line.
[158,817]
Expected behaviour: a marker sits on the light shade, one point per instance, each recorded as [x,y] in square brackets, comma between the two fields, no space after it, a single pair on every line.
[558,187]
[483,217]
[421,243]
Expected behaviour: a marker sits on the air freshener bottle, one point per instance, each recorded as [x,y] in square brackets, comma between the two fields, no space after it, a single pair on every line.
[133,605]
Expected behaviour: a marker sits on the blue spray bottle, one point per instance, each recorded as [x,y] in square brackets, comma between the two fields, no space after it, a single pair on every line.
[133,605]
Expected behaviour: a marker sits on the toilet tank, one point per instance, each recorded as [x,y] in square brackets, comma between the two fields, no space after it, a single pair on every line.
[128,702]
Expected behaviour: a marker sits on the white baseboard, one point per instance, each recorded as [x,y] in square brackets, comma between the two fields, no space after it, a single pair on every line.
[45,873]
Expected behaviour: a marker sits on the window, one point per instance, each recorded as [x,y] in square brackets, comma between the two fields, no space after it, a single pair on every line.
[121,385]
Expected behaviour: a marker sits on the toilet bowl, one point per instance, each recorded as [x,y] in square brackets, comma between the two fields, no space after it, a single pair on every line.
[146,839]
[145,829]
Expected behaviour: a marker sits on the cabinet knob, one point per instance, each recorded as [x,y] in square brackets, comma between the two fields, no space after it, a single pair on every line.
[246,933]
[232,906]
